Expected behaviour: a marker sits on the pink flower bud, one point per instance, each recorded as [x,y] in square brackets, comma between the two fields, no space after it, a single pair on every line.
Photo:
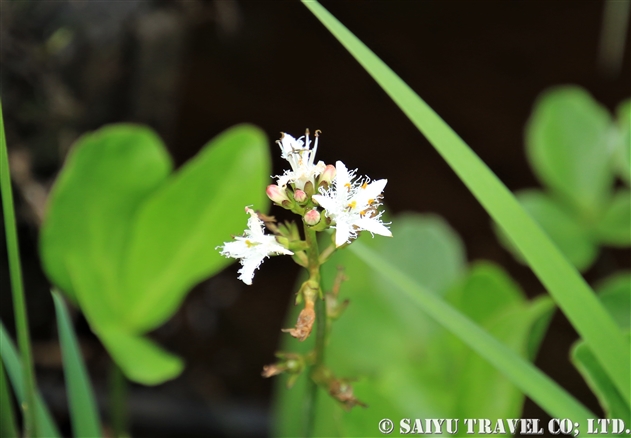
[312,217]
[300,196]
[328,174]
[276,194]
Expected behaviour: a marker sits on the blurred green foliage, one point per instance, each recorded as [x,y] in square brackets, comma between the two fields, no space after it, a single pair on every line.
[615,294]
[126,238]
[577,150]
[406,364]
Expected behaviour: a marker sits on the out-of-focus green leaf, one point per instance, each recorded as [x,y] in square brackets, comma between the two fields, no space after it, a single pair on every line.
[492,299]
[622,155]
[11,360]
[107,175]
[570,236]
[615,226]
[406,364]
[83,408]
[609,397]
[567,141]
[174,238]
[615,294]
[127,239]
[140,359]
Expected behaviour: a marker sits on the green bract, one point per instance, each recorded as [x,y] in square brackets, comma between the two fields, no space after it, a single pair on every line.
[126,238]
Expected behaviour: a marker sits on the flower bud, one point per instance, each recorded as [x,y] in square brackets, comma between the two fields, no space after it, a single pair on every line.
[300,196]
[312,217]
[328,175]
[276,194]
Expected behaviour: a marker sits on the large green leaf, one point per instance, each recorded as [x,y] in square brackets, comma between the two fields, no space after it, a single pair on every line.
[107,175]
[176,231]
[615,294]
[406,364]
[127,239]
[11,360]
[567,141]
[83,408]
[571,236]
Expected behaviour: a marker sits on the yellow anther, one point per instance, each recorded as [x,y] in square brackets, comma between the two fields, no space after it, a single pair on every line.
[347,185]
[352,205]
[371,201]
[364,185]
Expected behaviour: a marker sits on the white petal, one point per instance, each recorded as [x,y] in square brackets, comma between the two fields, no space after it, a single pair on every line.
[250,264]
[327,203]
[342,233]
[373,225]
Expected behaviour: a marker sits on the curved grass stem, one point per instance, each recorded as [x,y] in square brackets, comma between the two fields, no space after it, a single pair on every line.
[17,287]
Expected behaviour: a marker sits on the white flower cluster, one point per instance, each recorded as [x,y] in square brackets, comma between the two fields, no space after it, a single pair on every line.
[349,203]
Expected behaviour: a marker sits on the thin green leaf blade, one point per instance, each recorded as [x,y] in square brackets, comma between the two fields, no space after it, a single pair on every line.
[9,356]
[615,294]
[567,287]
[177,230]
[8,423]
[83,409]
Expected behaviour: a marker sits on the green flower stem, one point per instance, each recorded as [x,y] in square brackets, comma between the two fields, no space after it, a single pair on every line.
[313,254]
[17,287]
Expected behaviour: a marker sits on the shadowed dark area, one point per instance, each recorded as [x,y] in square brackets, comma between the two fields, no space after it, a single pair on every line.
[192,69]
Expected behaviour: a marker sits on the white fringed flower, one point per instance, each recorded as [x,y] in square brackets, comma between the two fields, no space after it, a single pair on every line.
[352,205]
[252,248]
[301,158]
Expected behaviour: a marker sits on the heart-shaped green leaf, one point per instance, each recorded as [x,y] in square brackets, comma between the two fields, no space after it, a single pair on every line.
[107,175]
[127,240]
[568,139]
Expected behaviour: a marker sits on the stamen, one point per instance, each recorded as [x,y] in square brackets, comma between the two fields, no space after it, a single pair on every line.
[364,185]
[352,205]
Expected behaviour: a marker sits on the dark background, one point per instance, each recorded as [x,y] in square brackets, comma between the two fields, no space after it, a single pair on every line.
[192,69]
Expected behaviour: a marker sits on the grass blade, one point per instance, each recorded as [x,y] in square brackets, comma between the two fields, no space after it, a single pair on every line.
[535,384]
[8,424]
[17,287]
[42,418]
[83,409]
[569,290]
